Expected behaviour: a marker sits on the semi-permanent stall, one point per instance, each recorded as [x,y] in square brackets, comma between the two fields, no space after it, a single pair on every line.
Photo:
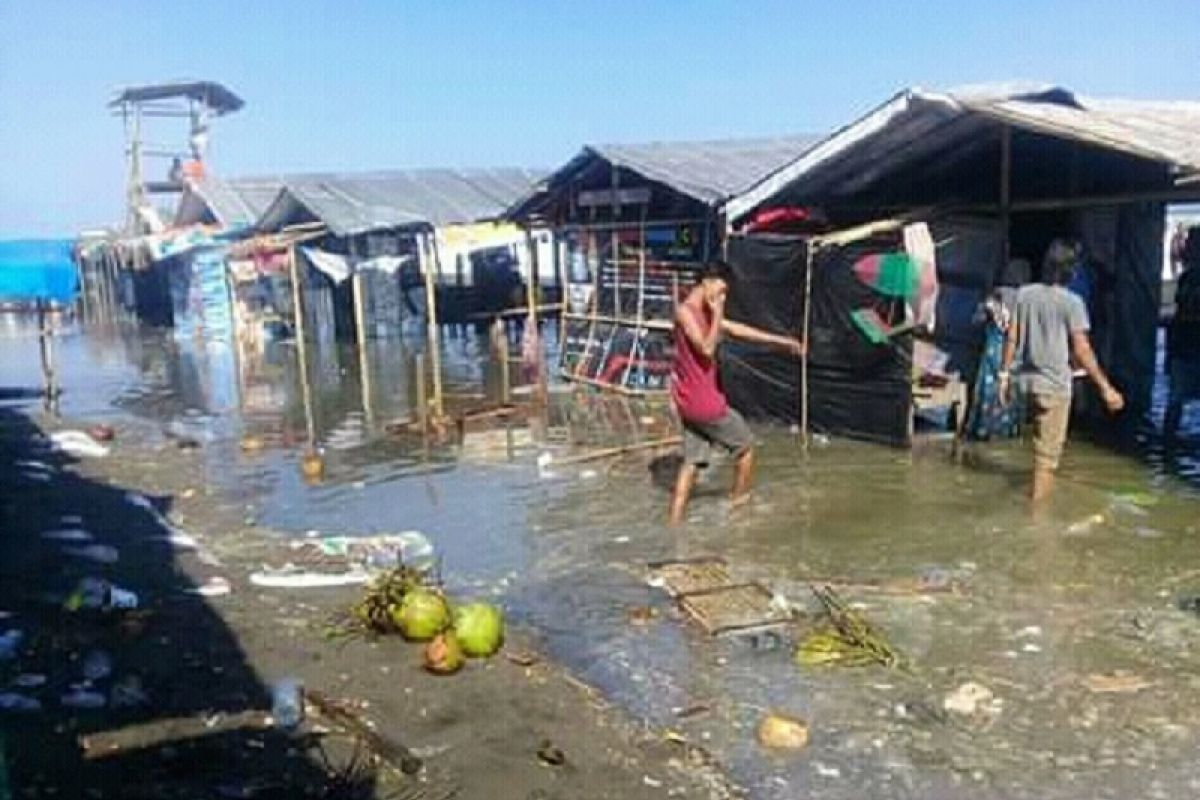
[998,173]
[634,224]
[375,244]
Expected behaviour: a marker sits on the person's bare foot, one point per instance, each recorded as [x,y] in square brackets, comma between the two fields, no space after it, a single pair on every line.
[739,500]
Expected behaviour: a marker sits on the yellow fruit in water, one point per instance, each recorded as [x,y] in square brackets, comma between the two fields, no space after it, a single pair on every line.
[252,444]
[781,732]
[312,465]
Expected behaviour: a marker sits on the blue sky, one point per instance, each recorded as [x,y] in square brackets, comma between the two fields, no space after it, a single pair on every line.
[368,85]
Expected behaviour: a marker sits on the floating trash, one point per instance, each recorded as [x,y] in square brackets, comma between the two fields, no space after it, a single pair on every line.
[99,553]
[97,665]
[67,535]
[83,699]
[782,732]
[15,701]
[78,443]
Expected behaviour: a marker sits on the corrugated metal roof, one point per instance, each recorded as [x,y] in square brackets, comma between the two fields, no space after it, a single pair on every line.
[707,171]
[916,124]
[215,95]
[353,203]
[234,203]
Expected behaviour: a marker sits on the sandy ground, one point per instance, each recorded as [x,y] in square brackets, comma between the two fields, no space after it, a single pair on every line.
[184,656]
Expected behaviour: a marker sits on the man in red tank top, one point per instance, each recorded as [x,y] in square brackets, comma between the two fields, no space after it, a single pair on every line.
[707,419]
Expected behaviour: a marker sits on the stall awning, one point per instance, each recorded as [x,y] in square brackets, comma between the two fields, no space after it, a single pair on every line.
[38,269]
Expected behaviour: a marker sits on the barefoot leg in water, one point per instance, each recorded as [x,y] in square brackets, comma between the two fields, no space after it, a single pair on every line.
[742,476]
[683,490]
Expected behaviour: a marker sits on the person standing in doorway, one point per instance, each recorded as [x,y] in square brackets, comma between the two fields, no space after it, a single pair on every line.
[1183,336]
[1050,327]
[707,419]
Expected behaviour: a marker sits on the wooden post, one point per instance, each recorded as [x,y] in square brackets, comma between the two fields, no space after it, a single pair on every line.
[358,279]
[531,321]
[428,250]
[564,295]
[1005,197]
[500,348]
[46,346]
[310,426]
[808,271]
[422,392]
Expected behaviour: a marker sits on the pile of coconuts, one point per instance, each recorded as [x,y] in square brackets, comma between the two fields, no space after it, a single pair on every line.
[451,634]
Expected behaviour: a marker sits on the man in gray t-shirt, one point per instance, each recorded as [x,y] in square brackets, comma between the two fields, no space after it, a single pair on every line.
[1050,325]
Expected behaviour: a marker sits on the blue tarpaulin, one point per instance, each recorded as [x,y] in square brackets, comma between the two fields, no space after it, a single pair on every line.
[38,269]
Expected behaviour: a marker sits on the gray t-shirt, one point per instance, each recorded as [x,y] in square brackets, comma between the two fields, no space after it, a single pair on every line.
[1046,316]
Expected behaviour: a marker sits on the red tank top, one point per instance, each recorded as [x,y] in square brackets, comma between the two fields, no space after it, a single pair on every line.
[695,385]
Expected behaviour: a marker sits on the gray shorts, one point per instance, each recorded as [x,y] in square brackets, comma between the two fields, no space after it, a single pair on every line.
[730,433]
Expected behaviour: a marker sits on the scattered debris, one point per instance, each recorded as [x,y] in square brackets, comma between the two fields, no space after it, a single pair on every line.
[393,754]
[128,693]
[83,699]
[522,658]
[78,443]
[15,701]
[10,643]
[102,432]
[167,731]
[1119,682]
[97,553]
[782,732]
[970,699]
[294,578]
[550,755]
[641,615]
[847,639]
[287,703]
[97,594]
[76,535]
[97,665]
[213,587]
[1086,524]
[29,680]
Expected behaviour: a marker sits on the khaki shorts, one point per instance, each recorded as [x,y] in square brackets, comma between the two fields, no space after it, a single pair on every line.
[730,433]
[1050,415]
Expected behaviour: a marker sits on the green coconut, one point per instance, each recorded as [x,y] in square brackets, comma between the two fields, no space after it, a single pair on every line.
[480,629]
[422,615]
[443,654]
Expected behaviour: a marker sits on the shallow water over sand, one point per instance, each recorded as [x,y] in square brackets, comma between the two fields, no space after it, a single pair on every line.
[1088,587]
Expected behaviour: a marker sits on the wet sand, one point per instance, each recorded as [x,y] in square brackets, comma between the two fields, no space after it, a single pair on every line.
[478,733]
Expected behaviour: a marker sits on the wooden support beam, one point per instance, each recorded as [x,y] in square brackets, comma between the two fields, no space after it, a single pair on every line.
[427,247]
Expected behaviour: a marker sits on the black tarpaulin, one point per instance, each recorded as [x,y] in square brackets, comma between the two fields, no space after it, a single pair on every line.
[858,387]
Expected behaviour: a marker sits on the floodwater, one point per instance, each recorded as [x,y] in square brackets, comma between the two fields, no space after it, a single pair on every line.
[1051,609]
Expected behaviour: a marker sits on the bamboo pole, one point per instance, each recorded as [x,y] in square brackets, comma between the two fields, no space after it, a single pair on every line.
[1005,197]
[428,249]
[310,427]
[609,452]
[807,325]
[358,285]
[422,396]
[500,349]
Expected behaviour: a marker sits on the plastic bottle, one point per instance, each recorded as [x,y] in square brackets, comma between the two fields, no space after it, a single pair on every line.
[416,550]
[287,703]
